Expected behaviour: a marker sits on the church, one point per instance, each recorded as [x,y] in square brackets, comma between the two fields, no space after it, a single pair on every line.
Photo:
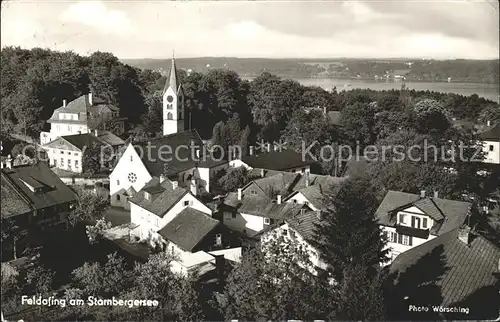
[143,161]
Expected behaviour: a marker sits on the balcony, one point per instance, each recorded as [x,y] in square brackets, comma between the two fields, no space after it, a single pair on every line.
[411,231]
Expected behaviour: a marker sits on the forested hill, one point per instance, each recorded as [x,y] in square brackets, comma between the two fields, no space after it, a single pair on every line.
[478,71]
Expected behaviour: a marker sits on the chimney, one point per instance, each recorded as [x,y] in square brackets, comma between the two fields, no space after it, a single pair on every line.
[250,150]
[175,184]
[488,123]
[8,162]
[162,178]
[319,215]
[269,147]
[324,110]
[278,200]
[464,234]
[307,178]
[96,132]
[262,173]
[90,98]
[436,194]
[422,193]
[64,103]
[194,187]
[239,193]
[275,147]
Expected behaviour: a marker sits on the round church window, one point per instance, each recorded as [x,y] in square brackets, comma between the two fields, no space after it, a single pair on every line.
[170,98]
[132,177]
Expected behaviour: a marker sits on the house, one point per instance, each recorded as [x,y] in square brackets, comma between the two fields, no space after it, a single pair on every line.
[35,200]
[77,117]
[286,160]
[410,220]
[180,155]
[171,218]
[491,144]
[302,230]
[455,275]
[67,152]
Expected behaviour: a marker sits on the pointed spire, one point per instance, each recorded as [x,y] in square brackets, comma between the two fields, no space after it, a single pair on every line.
[172,79]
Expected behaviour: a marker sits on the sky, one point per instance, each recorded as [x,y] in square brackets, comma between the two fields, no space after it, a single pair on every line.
[436,29]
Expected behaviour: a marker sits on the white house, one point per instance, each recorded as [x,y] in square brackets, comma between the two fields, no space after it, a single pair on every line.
[74,117]
[180,155]
[410,220]
[302,230]
[491,144]
[171,218]
[67,152]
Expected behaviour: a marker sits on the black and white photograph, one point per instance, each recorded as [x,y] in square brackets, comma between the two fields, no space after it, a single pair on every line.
[250,160]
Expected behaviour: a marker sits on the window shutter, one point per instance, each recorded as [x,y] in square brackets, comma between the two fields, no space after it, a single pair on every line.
[400,238]
[410,240]
[413,221]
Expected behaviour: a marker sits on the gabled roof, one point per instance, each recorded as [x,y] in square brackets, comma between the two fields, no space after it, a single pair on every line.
[464,269]
[276,160]
[110,138]
[447,214]
[305,224]
[81,106]
[188,228]
[316,194]
[17,196]
[281,182]
[493,134]
[166,147]
[83,140]
[163,196]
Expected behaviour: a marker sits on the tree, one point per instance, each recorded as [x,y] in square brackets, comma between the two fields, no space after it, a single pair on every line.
[88,208]
[233,179]
[40,279]
[490,113]
[96,232]
[350,234]
[430,117]
[269,283]
[93,158]
[358,123]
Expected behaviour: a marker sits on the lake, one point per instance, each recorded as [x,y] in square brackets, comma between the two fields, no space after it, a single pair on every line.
[489,91]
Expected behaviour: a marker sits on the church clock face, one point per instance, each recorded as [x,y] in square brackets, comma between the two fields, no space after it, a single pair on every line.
[170,98]
[132,177]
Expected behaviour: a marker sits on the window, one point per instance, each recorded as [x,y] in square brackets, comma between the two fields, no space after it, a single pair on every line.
[253,192]
[415,222]
[117,197]
[69,128]
[405,240]
[293,171]
[62,162]
[306,203]
[402,219]
[424,223]
[294,200]
[492,148]
[173,249]
[147,195]
[62,152]
[55,162]
[69,163]
[393,237]
[187,203]
[76,163]
[169,116]
[76,154]
[58,127]
[180,116]
[267,221]
[233,215]
[169,106]
[132,177]
[303,170]
[284,232]
[218,239]
[131,158]
[117,182]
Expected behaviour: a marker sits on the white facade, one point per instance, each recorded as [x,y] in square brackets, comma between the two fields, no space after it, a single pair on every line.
[239,163]
[492,151]
[67,158]
[173,111]
[245,223]
[410,217]
[129,166]
[299,198]
[288,232]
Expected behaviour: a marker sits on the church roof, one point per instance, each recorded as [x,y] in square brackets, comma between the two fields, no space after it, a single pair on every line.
[173,79]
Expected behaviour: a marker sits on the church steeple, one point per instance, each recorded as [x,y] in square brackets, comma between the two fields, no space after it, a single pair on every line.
[173,103]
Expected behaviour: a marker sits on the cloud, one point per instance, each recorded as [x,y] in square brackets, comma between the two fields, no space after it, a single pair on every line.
[95,14]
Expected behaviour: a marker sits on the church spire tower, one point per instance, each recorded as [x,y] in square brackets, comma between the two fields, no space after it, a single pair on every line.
[173,103]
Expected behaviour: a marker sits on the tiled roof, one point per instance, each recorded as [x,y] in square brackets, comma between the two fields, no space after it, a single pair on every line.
[466,269]
[110,138]
[81,105]
[282,182]
[448,214]
[262,207]
[305,224]
[18,198]
[491,135]
[163,197]
[82,140]
[166,147]
[188,228]
[298,178]
[316,194]
[276,160]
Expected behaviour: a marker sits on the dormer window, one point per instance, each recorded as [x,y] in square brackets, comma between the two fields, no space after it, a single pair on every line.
[402,219]
[147,195]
